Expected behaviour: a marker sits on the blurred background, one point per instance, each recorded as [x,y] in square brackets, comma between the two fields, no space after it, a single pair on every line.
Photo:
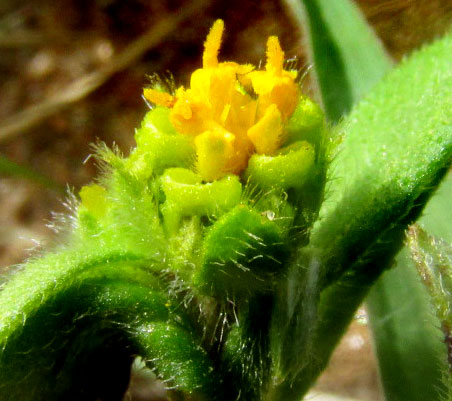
[72,73]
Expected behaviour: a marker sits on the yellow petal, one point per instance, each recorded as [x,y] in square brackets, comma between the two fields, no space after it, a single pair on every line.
[200,84]
[212,45]
[242,113]
[214,87]
[213,150]
[282,91]
[266,135]
[263,82]
[222,87]
[188,115]
[285,95]
[243,149]
[243,69]
[243,77]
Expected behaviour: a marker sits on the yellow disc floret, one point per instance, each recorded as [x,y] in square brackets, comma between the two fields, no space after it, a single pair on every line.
[227,124]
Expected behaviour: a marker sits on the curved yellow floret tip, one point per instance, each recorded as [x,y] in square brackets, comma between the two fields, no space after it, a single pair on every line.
[212,45]
[275,56]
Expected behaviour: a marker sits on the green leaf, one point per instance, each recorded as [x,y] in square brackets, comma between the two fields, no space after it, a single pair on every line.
[399,305]
[330,34]
[432,258]
[23,294]
[347,56]
[397,146]
[437,216]
[179,359]
[408,342]
[40,310]
[430,106]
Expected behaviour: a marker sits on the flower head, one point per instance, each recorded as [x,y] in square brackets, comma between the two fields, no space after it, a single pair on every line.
[227,123]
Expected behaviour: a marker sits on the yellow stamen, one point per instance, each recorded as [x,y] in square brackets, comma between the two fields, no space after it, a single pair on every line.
[212,45]
[275,56]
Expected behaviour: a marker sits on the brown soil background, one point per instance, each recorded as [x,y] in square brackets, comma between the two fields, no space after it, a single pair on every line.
[68,65]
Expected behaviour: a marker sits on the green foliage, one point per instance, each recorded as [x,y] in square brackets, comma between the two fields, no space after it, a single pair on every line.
[406,332]
[375,137]
[241,287]
[337,302]
[402,331]
[433,261]
[379,180]
[347,57]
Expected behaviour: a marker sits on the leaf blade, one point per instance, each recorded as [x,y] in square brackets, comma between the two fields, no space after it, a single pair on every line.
[379,182]
[347,56]
[394,157]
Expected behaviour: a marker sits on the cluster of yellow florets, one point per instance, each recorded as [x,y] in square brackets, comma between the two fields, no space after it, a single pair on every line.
[226,123]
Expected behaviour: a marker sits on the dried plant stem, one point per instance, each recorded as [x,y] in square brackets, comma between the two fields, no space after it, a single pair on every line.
[23,121]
